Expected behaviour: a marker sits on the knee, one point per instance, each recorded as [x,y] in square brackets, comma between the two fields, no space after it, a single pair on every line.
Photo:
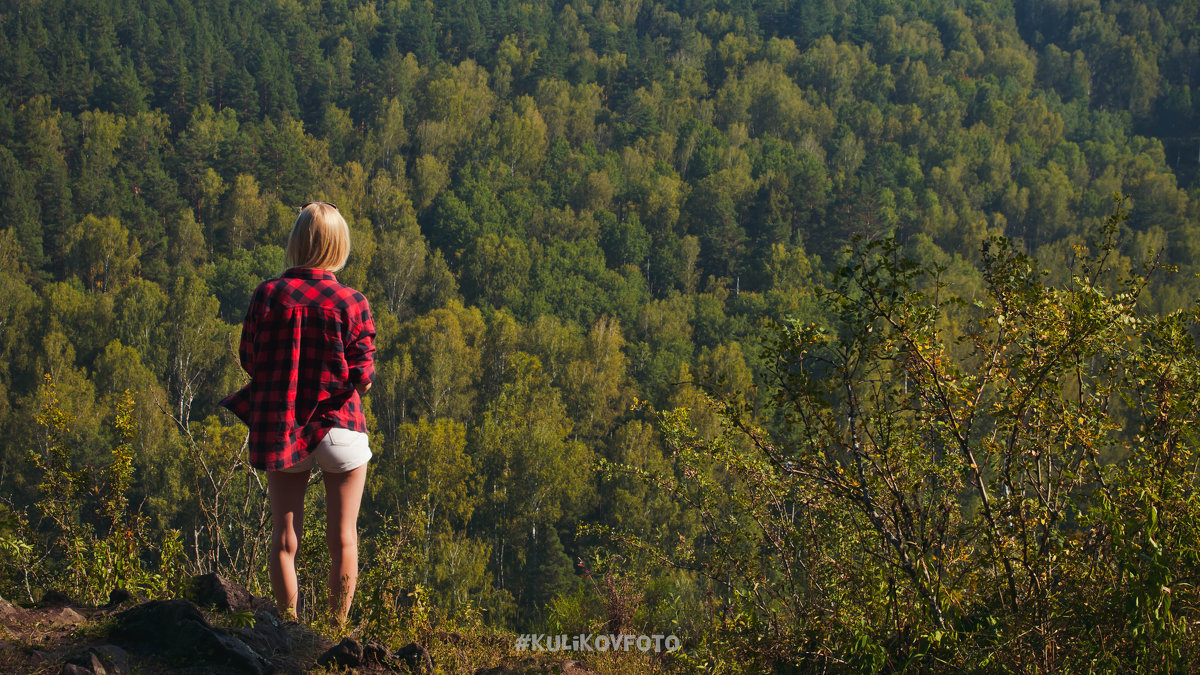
[342,540]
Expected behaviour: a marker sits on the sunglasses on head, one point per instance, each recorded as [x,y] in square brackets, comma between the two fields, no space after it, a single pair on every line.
[308,204]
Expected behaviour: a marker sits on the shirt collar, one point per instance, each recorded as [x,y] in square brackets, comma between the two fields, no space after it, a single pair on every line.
[308,273]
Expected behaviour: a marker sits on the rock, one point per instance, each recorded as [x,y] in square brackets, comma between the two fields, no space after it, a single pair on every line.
[9,610]
[53,598]
[349,653]
[375,653]
[118,596]
[346,654]
[213,590]
[115,659]
[87,663]
[62,616]
[102,660]
[268,638]
[415,657]
[176,629]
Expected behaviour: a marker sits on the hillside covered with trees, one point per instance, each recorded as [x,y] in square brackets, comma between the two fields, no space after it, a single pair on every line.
[600,239]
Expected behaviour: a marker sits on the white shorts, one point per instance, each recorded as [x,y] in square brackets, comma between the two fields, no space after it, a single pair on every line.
[340,451]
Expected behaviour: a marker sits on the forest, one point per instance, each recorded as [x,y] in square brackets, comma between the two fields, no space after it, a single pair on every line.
[850,336]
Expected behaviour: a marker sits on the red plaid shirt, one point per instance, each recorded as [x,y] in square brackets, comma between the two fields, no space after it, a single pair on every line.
[306,342]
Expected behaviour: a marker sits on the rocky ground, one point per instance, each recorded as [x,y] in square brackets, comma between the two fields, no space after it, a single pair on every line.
[235,633]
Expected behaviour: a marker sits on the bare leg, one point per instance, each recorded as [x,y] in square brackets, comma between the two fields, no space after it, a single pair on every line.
[343,495]
[286,491]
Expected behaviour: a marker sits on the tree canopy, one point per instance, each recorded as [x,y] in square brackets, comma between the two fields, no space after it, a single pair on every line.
[572,218]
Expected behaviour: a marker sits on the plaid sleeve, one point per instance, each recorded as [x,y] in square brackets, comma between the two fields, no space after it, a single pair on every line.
[249,327]
[360,350]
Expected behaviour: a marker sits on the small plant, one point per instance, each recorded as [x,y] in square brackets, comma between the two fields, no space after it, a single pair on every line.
[388,602]
[16,555]
[96,630]
[88,560]
[242,619]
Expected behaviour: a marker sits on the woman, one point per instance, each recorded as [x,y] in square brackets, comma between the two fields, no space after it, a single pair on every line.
[307,343]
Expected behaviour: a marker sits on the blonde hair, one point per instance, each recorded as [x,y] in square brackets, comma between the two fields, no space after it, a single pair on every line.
[320,238]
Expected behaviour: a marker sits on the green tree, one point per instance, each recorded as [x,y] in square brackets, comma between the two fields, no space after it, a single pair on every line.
[495,270]
[399,268]
[443,348]
[971,488]
[17,198]
[245,214]
[530,471]
[390,134]
[594,382]
[521,137]
[102,253]
[198,346]
[102,134]
[434,485]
